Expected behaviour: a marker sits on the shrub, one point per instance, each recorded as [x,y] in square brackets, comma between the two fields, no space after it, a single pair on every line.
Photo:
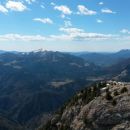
[124,89]
[85,120]
[65,127]
[107,90]
[116,93]
[101,84]
[108,96]
[114,102]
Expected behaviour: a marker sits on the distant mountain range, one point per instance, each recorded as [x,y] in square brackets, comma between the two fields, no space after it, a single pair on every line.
[120,71]
[33,85]
[37,83]
[98,58]
[104,59]
[3,51]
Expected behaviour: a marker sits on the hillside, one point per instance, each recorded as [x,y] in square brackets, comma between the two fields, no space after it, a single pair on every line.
[6,124]
[119,71]
[38,83]
[100,59]
[34,85]
[104,106]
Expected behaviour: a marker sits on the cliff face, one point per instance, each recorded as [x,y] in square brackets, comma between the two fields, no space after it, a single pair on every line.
[101,107]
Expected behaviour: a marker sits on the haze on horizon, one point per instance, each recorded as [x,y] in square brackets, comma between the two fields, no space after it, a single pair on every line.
[65,25]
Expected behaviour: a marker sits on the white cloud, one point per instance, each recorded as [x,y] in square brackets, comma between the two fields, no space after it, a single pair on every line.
[44,20]
[30,1]
[64,9]
[52,3]
[42,6]
[125,31]
[18,37]
[3,9]
[108,11]
[80,34]
[99,21]
[71,30]
[62,16]
[85,11]
[67,34]
[62,37]
[15,6]
[101,3]
[67,23]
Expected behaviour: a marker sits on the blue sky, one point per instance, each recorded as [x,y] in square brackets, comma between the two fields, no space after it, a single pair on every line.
[65,25]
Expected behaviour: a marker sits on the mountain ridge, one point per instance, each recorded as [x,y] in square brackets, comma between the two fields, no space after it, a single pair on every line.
[43,81]
[100,107]
[33,78]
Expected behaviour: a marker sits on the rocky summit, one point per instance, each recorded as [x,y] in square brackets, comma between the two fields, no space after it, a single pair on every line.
[103,106]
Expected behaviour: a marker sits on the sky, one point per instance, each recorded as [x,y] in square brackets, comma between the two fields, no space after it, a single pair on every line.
[65,25]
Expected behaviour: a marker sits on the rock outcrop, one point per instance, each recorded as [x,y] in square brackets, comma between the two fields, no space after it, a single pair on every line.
[105,106]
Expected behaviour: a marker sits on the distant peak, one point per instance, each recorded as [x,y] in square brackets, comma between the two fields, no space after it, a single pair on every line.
[124,50]
[39,50]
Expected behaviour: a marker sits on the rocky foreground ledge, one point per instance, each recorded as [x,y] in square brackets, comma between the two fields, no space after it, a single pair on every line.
[104,106]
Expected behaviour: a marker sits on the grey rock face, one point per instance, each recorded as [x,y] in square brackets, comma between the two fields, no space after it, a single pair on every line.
[100,113]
